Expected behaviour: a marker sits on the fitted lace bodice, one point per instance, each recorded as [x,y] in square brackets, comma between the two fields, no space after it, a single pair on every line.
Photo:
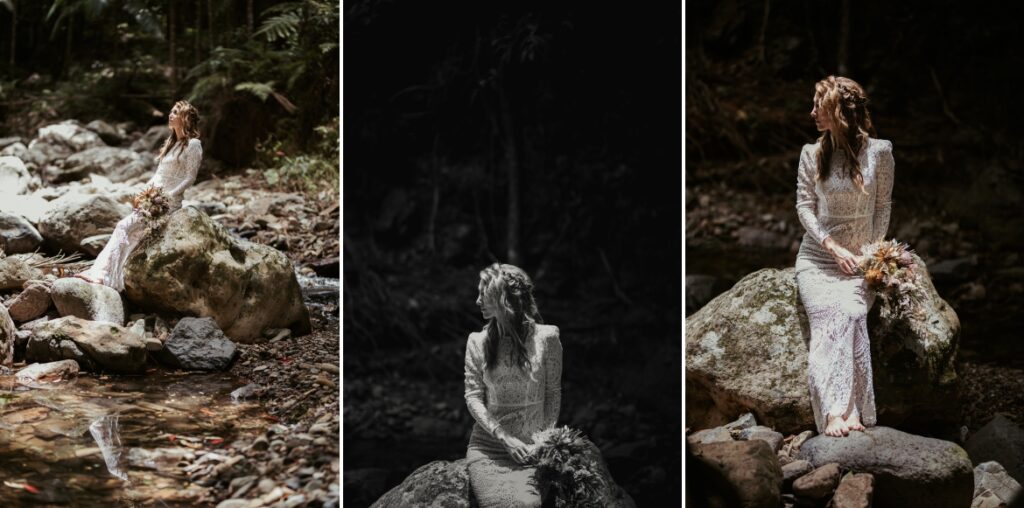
[177,171]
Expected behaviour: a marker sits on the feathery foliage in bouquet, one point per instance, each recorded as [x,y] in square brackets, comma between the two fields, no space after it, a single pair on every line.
[565,471]
[152,202]
[890,271]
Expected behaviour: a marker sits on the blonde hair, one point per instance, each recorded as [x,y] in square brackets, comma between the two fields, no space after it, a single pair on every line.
[509,291]
[189,125]
[844,102]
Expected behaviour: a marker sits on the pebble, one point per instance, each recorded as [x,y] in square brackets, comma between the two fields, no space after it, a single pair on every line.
[234,503]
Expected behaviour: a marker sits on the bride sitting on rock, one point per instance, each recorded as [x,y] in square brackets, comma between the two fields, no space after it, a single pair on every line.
[177,167]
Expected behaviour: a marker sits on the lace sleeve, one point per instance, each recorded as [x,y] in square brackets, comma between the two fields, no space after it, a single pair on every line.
[476,390]
[806,197]
[552,379]
[189,164]
[885,168]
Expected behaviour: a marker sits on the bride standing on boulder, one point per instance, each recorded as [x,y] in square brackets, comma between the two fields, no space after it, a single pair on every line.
[844,192]
[177,167]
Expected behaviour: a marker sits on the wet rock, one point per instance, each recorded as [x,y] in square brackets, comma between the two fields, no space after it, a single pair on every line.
[75,216]
[57,141]
[14,176]
[1002,441]
[746,350]
[909,470]
[15,271]
[749,467]
[48,372]
[855,491]
[95,302]
[818,484]
[17,235]
[197,344]
[116,164]
[715,435]
[106,132]
[8,335]
[992,477]
[794,470]
[152,140]
[95,345]
[192,265]
[32,302]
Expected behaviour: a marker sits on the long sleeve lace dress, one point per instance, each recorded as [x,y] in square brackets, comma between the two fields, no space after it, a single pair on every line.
[839,360]
[175,172]
[518,402]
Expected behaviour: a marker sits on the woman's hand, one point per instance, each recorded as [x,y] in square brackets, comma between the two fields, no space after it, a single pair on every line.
[516,448]
[847,261]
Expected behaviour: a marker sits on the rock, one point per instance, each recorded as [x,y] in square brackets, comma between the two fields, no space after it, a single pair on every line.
[158,458]
[197,344]
[116,164]
[745,421]
[954,270]
[328,267]
[33,301]
[95,345]
[32,207]
[746,350]
[774,439]
[74,217]
[700,289]
[14,177]
[106,132]
[794,470]
[988,500]
[192,265]
[95,302]
[93,245]
[818,484]
[15,271]
[749,467]
[10,140]
[715,435]
[47,372]
[15,150]
[58,141]
[751,236]
[438,483]
[8,336]
[1002,441]
[991,477]
[152,140]
[153,344]
[17,235]
[909,470]
[855,491]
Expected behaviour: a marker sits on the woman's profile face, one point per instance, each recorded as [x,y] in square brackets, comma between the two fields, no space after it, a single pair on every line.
[174,118]
[821,120]
[483,302]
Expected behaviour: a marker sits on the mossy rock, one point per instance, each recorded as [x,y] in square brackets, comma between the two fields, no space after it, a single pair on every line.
[440,484]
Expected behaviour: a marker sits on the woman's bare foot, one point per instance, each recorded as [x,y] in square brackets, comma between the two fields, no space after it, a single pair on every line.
[836,427]
[853,423]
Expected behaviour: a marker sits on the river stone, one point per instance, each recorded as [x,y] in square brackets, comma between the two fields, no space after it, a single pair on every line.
[191,265]
[8,335]
[14,176]
[152,140]
[116,164]
[57,141]
[106,132]
[1002,441]
[95,302]
[715,435]
[855,491]
[197,344]
[818,484]
[94,244]
[17,235]
[909,470]
[32,302]
[794,470]
[774,439]
[75,216]
[750,467]
[15,271]
[95,345]
[48,372]
[991,477]
[746,350]
[17,149]
[438,483]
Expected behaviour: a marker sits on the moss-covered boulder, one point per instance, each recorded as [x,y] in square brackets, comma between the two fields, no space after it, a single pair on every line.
[439,483]
[97,346]
[191,265]
[746,350]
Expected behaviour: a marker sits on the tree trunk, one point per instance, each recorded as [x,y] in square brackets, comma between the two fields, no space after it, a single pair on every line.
[67,46]
[842,58]
[248,17]
[173,48]
[512,167]
[199,29]
[764,29]
[14,30]
[209,21]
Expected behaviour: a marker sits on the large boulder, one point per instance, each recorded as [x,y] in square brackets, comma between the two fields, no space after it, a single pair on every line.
[117,164]
[438,483]
[95,345]
[18,235]
[32,207]
[990,478]
[746,350]
[57,141]
[909,470]
[108,133]
[750,470]
[191,265]
[1002,441]
[152,140]
[75,216]
[197,344]
[14,177]
[95,302]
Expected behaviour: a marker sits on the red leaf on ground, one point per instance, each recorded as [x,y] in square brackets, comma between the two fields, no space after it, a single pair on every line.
[31,489]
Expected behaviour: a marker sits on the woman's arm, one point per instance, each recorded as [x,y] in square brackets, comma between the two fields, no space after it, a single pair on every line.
[552,379]
[885,170]
[476,390]
[806,198]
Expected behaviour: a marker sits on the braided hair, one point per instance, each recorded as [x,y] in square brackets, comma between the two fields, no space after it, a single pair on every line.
[509,291]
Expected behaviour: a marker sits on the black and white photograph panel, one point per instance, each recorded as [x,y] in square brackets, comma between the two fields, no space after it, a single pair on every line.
[512,313]
[853,236]
[170,253]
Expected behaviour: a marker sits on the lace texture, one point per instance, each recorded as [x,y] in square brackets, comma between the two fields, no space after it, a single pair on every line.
[176,172]
[518,402]
[839,360]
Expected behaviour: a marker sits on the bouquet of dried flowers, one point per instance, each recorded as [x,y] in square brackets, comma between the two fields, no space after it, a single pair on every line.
[152,202]
[566,472]
[891,272]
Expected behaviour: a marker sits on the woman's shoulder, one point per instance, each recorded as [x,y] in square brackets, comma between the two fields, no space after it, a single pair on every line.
[879,145]
[195,144]
[809,149]
[547,333]
[476,339]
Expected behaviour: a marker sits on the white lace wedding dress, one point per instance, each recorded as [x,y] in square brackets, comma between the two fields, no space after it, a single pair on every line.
[839,361]
[520,403]
[175,172]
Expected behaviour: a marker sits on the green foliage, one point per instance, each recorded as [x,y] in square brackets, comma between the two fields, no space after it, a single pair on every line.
[308,172]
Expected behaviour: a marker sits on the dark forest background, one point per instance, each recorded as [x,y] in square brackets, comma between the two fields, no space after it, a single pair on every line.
[545,136]
[943,81]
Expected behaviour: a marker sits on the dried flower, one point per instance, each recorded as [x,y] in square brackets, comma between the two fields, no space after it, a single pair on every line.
[888,268]
[565,470]
[151,201]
